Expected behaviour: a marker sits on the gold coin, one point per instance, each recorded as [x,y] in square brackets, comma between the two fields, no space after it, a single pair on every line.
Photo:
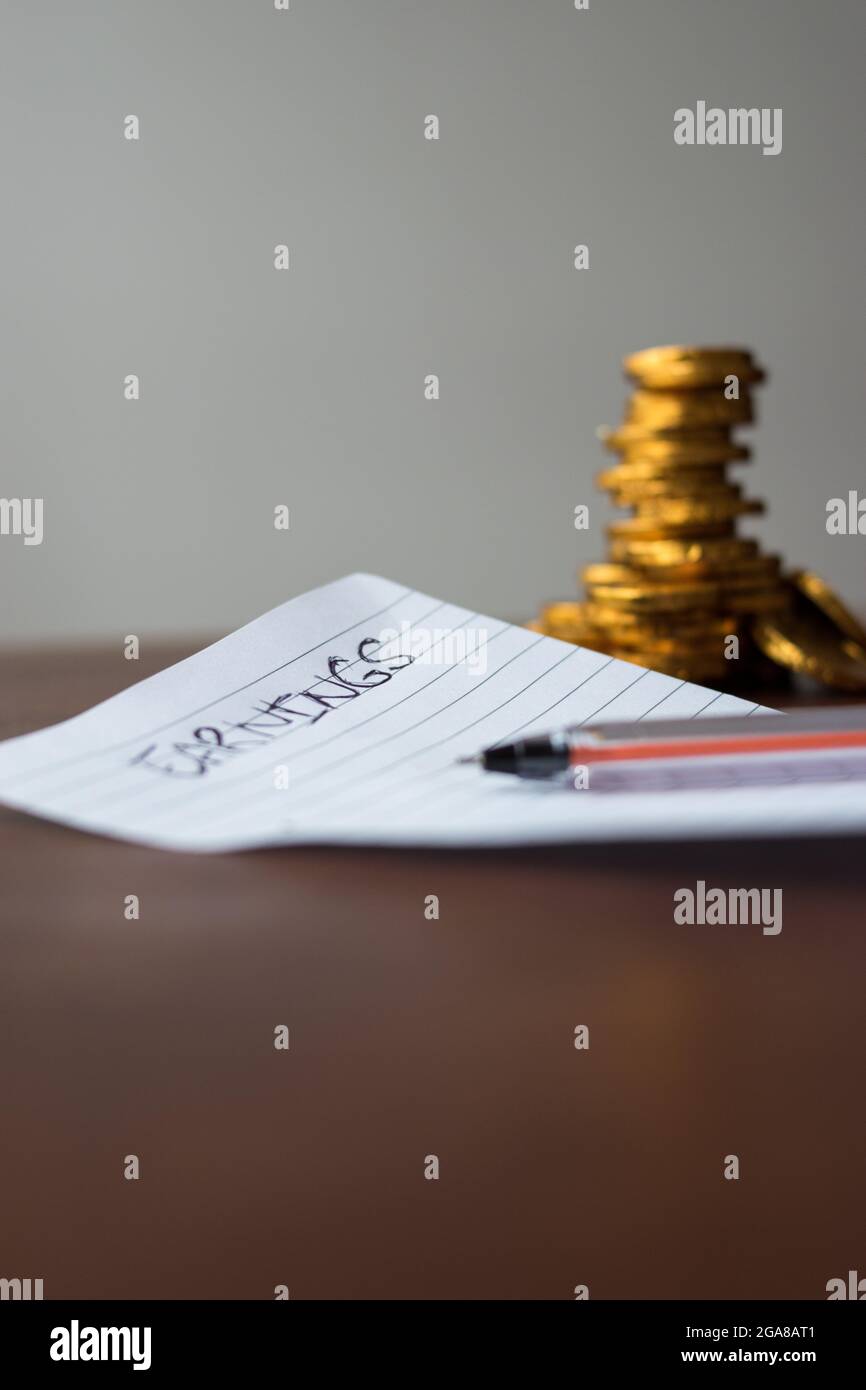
[629,575]
[655,528]
[563,611]
[666,459]
[634,473]
[687,410]
[804,638]
[665,482]
[759,569]
[732,595]
[690,367]
[605,573]
[697,510]
[686,448]
[670,552]
[661,496]
[565,619]
[642,505]
[691,509]
[642,597]
[684,625]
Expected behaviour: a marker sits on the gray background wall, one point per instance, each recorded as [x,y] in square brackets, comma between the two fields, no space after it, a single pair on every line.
[408,257]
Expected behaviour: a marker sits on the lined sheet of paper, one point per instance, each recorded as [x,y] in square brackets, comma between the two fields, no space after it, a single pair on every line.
[338,718]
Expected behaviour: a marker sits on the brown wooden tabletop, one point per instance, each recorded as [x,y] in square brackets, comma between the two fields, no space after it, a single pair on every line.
[409,1038]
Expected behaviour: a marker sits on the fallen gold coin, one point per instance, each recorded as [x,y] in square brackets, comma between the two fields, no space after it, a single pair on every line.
[817,591]
[805,639]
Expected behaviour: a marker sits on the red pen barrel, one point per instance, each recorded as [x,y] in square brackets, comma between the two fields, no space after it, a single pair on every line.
[711,747]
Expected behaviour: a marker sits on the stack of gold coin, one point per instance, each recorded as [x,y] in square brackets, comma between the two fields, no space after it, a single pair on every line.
[682,591]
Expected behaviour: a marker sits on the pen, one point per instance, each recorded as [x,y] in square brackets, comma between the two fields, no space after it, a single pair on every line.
[544,755]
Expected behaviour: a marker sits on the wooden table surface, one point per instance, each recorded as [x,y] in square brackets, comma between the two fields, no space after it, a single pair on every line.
[410,1038]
